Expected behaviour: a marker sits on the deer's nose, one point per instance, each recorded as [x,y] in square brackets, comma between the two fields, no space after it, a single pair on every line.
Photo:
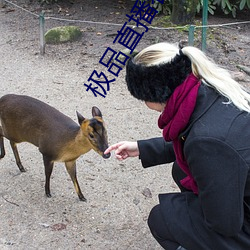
[106,156]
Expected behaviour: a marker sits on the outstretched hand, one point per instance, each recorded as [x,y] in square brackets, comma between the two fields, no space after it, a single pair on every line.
[124,150]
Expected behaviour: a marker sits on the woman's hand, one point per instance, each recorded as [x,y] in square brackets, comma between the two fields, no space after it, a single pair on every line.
[124,149]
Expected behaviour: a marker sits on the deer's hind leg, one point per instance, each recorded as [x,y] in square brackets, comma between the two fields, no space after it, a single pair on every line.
[48,164]
[1,144]
[18,161]
[71,168]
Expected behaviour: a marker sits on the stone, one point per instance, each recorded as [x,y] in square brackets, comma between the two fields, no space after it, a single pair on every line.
[63,34]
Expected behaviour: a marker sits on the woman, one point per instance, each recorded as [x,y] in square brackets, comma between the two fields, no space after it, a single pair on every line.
[205,118]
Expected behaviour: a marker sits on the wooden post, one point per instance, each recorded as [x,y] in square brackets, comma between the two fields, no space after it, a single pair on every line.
[204,24]
[191,35]
[42,32]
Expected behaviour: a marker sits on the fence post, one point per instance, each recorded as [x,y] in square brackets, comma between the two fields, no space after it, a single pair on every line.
[204,24]
[42,31]
[191,35]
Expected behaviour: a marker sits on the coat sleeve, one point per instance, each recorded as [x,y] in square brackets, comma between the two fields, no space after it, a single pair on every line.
[155,151]
[220,173]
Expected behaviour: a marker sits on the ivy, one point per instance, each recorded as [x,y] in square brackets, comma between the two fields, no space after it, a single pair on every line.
[227,6]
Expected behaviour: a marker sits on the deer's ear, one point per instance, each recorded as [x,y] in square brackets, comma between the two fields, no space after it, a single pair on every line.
[80,118]
[96,112]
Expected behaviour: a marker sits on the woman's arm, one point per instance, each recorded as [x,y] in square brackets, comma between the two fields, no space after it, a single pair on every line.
[155,151]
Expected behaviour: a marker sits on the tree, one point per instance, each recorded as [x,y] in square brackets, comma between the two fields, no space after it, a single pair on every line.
[183,11]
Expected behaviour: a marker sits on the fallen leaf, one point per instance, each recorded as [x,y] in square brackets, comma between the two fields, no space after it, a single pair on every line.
[58,227]
[147,193]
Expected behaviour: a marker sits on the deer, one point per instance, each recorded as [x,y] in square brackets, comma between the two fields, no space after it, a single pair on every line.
[58,137]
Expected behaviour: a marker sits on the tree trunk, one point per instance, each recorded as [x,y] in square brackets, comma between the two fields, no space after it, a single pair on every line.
[2,3]
[183,11]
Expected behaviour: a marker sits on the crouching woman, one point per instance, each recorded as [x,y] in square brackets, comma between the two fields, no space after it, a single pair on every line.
[205,120]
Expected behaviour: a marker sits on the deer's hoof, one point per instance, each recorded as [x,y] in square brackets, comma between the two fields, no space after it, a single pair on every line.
[82,198]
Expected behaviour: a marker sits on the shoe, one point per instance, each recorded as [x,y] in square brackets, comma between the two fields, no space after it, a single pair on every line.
[181,248]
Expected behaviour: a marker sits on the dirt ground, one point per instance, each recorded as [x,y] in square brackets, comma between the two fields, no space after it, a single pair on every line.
[119,195]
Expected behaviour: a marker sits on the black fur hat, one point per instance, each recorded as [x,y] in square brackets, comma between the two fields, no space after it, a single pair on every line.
[156,83]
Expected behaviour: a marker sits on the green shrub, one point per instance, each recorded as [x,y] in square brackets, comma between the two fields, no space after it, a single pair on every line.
[231,6]
[227,6]
[47,1]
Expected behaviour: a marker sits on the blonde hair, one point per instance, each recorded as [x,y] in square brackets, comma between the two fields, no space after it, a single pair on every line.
[202,67]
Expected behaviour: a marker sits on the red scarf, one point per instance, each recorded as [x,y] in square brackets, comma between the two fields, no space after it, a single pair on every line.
[174,119]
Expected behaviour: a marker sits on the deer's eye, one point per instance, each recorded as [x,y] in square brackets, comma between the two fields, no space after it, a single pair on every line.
[91,136]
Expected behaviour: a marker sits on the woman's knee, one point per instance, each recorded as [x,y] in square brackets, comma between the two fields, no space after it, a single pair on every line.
[153,218]
[159,229]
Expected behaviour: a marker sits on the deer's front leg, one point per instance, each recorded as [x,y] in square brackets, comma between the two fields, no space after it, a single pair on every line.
[71,168]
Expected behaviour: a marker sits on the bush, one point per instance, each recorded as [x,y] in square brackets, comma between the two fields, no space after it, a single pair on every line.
[47,1]
[227,6]
[231,6]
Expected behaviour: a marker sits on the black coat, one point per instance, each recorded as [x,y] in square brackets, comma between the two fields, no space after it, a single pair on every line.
[216,145]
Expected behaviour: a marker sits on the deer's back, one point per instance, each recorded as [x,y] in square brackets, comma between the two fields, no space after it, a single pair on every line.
[24,118]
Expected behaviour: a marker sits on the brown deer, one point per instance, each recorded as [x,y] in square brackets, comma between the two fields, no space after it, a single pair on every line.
[59,139]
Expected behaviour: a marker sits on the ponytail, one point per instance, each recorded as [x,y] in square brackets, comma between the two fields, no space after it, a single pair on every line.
[218,78]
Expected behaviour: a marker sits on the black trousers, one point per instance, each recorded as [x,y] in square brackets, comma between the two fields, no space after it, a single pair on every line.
[156,222]
[179,221]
